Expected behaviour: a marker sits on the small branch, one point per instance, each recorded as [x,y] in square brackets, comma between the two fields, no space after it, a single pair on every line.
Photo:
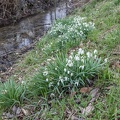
[116,53]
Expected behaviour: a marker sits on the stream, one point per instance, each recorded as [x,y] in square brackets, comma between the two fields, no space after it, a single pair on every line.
[14,38]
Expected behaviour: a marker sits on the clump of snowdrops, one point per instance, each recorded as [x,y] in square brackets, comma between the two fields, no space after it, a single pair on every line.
[70,30]
[70,72]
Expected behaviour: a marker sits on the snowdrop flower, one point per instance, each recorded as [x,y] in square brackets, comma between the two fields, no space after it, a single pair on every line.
[80,51]
[95,51]
[60,77]
[77,58]
[47,80]
[48,60]
[58,83]
[4,91]
[70,57]
[106,59]
[82,60]
[23,82]
[66,78]
[77,83]
[68,72]
[69,63]
[61,80]
[71,74]
[71,53]
[95,56]
[52,95]
[55,68]
[82,67]
[45,73]
[50,84]
[65,70]
[88,54]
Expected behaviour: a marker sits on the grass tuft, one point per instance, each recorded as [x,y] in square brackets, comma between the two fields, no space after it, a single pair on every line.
[11,93]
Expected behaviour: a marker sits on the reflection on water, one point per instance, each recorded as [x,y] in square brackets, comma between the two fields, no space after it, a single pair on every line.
[13,38]
[25,32]
[24,42]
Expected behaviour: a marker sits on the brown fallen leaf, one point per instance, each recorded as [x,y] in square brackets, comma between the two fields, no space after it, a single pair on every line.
[76,118]
[85,89]
[86,111]
[94,98]
[94,92]
[14,109]
[109,87]
[9,116]
[18,111]
[81,44]
[88,43]
[115,64]
[72,94]
[25,112]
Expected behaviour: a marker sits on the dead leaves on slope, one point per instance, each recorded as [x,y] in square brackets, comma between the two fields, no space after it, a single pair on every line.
[16,113]
[94,93]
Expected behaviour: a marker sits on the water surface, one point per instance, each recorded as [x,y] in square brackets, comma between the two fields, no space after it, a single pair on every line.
[14,38]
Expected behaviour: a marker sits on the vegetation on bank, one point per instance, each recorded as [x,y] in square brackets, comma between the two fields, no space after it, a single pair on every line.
[79,51]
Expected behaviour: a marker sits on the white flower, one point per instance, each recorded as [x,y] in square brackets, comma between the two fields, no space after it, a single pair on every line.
[83,60]
[65,70]
[52,95]
[81,32]
[66,78]
[106,59]
[71,53]
[50,84]
[68,72]
[61,80]
[4,91]
[80,51]
[23,82]
[55,68]
[71,74]
[95,56]
[95,51]
[45,73]
[88,54]
[77,58]
[70,57]
[69,63]
[60,77]
[77,83]
[47,80]
[58,83]
[82,67]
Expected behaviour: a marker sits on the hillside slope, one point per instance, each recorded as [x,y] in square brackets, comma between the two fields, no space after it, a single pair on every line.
[74,70]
